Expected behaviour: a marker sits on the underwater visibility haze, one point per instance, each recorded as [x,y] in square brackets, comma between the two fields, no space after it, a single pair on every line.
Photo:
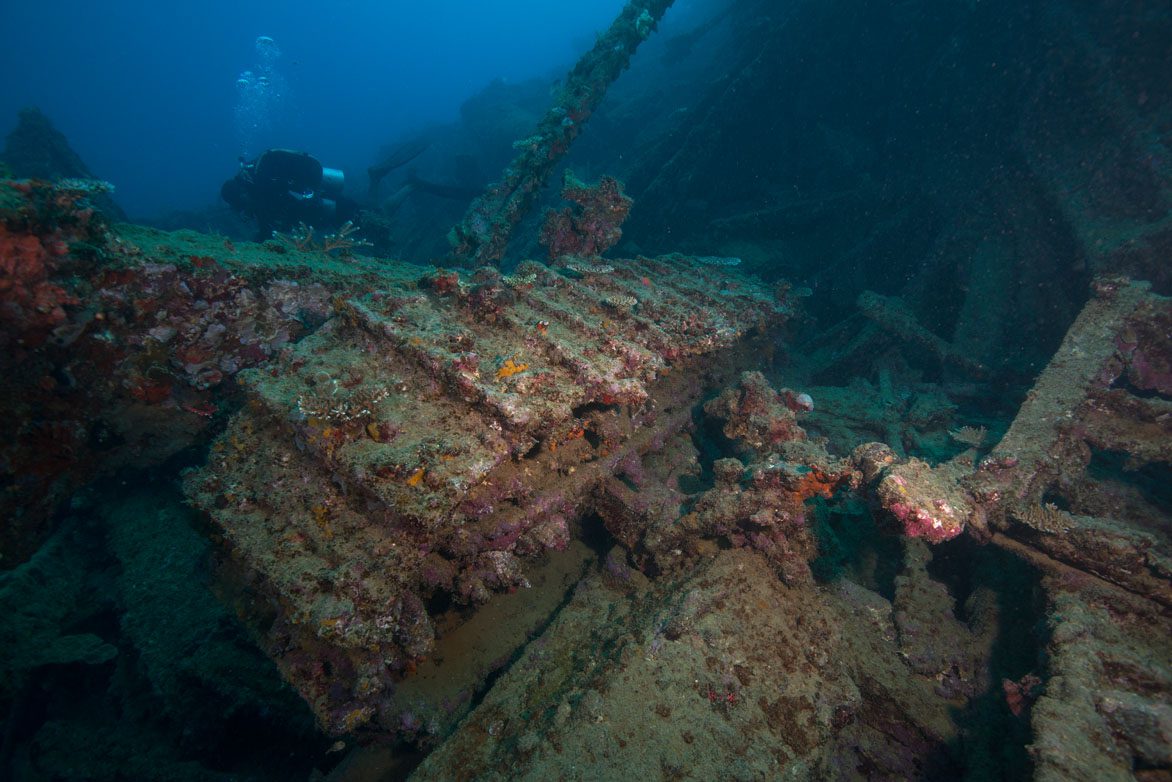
[170,98]
[659,390]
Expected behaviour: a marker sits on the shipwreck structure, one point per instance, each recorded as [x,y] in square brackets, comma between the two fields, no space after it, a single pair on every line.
[831,582]
[393,444]
[428,437]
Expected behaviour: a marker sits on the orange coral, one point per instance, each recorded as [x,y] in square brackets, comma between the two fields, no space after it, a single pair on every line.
[817,483]
[510,368]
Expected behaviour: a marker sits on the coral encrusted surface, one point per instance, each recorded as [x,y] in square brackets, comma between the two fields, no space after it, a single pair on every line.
[429,437]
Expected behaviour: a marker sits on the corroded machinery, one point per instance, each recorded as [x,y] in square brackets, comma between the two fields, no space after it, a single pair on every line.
[432,434]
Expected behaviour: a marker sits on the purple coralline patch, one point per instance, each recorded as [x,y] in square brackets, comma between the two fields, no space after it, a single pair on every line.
[631,468]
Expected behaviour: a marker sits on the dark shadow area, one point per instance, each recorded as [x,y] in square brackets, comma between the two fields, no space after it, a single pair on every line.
[711,444]
[1152,480]
[851,545]
[154,678]
[995,740]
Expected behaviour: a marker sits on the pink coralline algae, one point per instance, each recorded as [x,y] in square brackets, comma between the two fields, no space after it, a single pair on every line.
[924,500]
[920,523]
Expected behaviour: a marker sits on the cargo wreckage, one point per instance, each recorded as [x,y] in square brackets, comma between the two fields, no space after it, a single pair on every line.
[425,440]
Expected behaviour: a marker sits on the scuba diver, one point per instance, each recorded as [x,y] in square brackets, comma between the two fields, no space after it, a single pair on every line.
[283,188]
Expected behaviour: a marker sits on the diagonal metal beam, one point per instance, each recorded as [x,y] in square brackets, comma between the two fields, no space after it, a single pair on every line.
[484,232]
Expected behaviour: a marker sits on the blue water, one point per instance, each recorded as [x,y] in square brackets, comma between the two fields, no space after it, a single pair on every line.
[147,94]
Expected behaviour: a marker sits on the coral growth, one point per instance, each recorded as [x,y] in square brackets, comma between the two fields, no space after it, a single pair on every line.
[593,226]
[757,416]
[31,306]
[344,241]
[39,223]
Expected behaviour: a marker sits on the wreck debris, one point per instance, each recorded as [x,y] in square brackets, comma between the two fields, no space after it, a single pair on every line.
[758,503]
[1107,676]
[803,682]
[481,237]
[894,316]
[437,432]
[429,437]
[1093,396]
[1106,681]
[1102,392]
[1103,710]
[1101,543]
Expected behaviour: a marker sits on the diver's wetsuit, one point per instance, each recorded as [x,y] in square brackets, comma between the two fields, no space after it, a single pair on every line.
[283,188]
